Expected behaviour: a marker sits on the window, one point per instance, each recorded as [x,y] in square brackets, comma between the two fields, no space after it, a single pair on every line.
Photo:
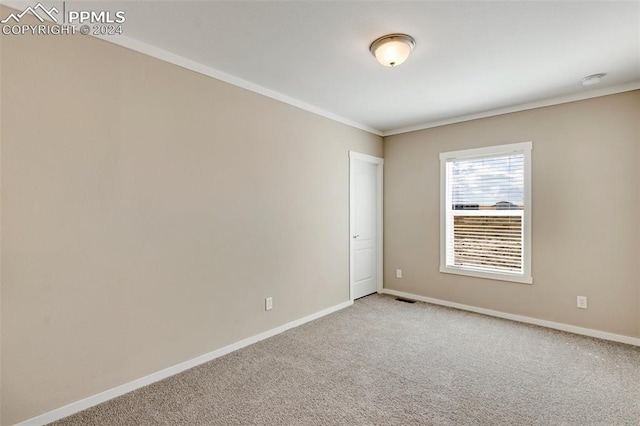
[485,219]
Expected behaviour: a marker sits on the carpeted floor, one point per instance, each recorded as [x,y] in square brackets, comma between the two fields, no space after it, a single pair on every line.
[385,362]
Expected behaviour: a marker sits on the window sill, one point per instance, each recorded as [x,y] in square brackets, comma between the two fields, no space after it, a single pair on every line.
[516,278]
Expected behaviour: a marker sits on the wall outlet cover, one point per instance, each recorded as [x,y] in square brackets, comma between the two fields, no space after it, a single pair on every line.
[582,302]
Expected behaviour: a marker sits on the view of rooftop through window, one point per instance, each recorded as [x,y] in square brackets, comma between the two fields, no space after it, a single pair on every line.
[488,183]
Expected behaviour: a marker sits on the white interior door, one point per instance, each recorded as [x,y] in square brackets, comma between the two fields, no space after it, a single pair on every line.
[366,236]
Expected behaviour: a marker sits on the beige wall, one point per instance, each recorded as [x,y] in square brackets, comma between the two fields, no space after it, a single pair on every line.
[586,234]
[147,212]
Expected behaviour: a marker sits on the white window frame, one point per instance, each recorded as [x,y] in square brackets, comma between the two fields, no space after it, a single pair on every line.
[445,157]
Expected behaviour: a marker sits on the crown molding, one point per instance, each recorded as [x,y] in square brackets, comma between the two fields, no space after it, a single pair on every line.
[172,58]
[181,61]
[166,56]
[612,90]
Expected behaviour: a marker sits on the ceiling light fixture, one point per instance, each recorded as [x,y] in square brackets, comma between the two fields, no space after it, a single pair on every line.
[592,79]
[393,49]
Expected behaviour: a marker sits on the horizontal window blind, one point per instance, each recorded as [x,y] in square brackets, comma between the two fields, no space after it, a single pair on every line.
[492,183]
[484,213]
[493,242]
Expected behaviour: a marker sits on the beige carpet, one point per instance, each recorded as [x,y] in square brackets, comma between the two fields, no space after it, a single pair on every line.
[384,362]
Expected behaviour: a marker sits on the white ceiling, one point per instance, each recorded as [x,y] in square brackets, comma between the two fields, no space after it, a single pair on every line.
[470,58]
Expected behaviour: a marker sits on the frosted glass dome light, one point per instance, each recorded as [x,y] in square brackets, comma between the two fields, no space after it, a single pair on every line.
[393,49]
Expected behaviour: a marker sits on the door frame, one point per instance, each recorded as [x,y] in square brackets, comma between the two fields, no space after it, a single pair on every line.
[379,163]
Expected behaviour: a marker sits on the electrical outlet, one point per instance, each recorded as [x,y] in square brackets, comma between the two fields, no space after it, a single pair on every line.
[268,303]
[582,302]
[398,273]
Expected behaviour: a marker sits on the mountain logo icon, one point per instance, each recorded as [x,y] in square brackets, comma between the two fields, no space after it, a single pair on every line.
[39,11]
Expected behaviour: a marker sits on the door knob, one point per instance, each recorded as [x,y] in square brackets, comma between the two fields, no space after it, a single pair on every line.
[355,236]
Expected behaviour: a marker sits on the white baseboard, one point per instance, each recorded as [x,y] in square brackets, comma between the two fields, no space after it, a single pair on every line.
[520,318]
[83,404]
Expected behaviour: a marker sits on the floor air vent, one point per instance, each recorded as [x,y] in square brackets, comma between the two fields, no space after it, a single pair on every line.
[402,299]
